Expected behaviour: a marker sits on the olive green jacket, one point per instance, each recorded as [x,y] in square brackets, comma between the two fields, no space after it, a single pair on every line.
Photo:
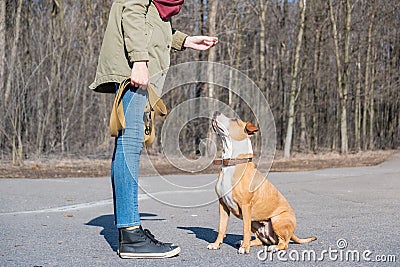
[135,32]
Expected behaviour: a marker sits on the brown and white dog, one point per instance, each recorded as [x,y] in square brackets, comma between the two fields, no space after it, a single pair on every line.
[245,192]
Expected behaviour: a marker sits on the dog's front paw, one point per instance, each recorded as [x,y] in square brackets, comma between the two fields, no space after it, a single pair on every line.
[244,249]
[214,246]
[273,248]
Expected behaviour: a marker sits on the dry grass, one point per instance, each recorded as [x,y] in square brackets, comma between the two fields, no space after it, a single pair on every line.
[86,167]
[301,161]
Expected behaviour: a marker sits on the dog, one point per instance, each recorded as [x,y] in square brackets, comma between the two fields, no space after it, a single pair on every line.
[245,192]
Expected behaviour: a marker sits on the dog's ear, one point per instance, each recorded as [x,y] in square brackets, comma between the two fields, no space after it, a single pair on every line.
[250,128]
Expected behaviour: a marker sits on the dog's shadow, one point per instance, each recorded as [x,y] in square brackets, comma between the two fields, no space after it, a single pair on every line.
[209,235]
[110,231]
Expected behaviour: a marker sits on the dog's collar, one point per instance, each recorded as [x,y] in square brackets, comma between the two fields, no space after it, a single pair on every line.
[231,162]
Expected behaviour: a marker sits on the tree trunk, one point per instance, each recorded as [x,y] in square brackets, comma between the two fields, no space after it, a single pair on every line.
[212,24]
[2,41]
[316,87]
[341,81]
[292,97]
[262,18]
[14,49]
[346,82]
[282,55]
[199,87]
[238,61]
[16,153]
[303,127]
[2,67]
[357,105]
[371,103]
[367,97]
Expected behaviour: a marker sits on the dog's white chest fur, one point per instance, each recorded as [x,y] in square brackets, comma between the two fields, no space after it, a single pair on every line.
[224,187]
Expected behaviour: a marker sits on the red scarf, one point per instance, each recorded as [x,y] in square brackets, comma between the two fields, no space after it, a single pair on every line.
[168,8]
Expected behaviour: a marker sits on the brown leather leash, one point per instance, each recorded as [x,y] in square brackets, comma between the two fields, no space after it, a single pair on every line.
[154,106]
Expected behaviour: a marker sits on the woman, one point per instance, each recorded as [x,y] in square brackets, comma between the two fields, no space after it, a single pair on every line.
[137,44]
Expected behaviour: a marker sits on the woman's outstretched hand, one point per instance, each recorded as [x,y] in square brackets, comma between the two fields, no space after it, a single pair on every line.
[140,76]
[200,42]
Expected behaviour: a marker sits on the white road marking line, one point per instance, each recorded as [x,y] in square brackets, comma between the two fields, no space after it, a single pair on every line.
[96,203]
[63,208]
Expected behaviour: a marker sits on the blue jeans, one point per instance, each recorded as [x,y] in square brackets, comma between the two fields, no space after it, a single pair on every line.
[126,157]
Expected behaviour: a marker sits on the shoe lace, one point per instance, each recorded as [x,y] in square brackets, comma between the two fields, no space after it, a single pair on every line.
[152,238]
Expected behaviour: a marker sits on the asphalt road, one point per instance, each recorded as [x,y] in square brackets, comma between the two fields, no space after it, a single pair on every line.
[354,212]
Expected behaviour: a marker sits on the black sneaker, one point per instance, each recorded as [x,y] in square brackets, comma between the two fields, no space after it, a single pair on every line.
[139,243]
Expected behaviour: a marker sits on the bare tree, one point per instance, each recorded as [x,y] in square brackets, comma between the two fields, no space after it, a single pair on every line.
[342,83]
[335,88]
[367,85]
[2,65]
[212,24]
[14,48]
[293,87]
[2,40]
[260,9]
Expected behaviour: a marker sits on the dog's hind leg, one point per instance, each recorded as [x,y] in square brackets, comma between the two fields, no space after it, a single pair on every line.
[264,233]
[255,228]
[282,245]
[253,243]
[283,225]
[256,242]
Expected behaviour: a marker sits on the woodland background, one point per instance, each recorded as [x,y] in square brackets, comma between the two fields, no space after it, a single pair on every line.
[330,70]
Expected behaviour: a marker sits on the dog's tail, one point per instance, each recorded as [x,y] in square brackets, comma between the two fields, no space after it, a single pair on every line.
[302,240]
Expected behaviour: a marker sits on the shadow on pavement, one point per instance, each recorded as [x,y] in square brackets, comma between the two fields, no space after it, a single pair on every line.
[209,235]
[110,231]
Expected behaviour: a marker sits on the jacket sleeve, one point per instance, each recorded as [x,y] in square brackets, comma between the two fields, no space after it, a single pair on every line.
[178,39]
[134,29]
